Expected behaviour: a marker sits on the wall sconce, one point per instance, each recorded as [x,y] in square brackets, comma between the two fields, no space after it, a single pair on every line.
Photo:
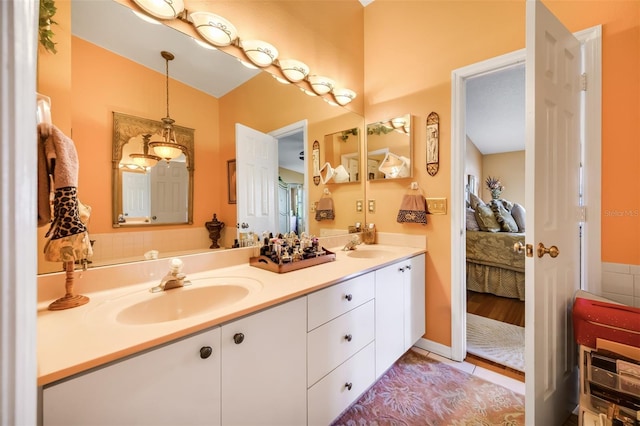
[214,28]
[167,148]
[259,52]
[343,96]
[320,84]
[161,9]
[293,70]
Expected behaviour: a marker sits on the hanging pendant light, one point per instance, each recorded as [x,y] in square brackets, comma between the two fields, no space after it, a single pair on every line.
[145,159]
[167,147]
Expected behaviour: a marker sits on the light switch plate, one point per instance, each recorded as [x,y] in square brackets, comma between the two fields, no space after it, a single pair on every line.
[372,206]
[437,205]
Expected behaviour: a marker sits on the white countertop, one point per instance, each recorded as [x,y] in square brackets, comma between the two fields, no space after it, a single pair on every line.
[74,340]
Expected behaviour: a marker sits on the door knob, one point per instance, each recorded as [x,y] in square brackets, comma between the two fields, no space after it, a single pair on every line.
[553,250]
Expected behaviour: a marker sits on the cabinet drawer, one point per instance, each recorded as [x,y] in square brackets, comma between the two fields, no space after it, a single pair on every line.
[331,302]
[333,394]
[331,344]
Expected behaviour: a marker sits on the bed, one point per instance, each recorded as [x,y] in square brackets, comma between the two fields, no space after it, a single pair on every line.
[492,265]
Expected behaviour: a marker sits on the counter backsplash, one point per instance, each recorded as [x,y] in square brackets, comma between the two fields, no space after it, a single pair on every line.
[51,286]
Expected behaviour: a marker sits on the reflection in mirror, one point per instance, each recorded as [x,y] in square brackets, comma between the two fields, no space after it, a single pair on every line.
[389,148]
[342,155]
[148,190]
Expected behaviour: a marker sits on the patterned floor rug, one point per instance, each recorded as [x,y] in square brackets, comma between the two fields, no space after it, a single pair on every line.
[496,341]
[418,391]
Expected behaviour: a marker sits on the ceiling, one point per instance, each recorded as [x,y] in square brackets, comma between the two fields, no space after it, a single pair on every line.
[495,113]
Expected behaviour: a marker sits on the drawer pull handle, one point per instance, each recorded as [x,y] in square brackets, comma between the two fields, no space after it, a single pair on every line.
[348,385]
[238,338]
[205,352]
[348,337]
[348,297]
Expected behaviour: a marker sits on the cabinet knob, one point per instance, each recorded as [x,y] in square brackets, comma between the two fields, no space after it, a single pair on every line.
[348,337]
[205,352]
[348,385]
[408,267]
[238,338]
[401,269]
[348,297]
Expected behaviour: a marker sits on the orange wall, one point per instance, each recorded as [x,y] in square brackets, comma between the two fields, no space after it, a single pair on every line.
[411,71]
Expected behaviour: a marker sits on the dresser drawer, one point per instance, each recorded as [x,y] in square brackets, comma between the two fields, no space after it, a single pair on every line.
[331,344]
[334,393]
[331,302]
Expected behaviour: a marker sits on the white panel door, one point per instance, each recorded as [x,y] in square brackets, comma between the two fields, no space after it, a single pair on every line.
[135,195]
[169,196]
[552,170]
[257,180]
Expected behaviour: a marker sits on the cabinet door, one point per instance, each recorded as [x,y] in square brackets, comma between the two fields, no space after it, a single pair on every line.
[176,384]
[414,301]
[264,361]
[389,316]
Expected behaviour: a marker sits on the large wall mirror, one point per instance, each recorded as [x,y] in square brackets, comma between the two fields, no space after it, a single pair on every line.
[103,29]
[342,154]
[389,148]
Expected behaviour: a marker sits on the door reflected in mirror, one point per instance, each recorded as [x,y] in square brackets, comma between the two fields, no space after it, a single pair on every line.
[342,155]
[389,148]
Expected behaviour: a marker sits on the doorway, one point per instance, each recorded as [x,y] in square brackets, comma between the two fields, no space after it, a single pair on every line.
[591,40]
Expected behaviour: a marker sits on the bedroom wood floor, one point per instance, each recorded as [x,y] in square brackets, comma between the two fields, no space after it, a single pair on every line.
[500,309]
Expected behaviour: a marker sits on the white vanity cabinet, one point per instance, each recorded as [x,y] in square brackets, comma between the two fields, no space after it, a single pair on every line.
[264,367]
[176,384]
[400,310]
[340,353]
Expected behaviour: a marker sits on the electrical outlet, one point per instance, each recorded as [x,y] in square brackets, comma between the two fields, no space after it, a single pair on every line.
[372,206]
[359,206]
[314,206]
[437,205]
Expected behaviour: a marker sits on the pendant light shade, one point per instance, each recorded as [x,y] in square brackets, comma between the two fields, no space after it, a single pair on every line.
[167,147]
[260,52]
[214,28]
[161,9]
[145,159]
[293,70]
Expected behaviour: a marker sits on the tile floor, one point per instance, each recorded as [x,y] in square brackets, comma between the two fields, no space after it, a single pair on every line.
[490,376]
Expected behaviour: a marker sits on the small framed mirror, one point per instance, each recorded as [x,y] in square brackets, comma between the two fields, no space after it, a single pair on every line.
[389,148]
[342,157]
[148,190]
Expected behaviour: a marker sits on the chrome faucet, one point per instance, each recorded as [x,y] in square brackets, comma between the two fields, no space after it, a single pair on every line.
[174,278]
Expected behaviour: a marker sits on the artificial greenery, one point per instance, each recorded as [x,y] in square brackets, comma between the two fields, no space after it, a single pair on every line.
[47,11]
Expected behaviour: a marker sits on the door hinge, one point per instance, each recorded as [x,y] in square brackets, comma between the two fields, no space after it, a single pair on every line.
[582,214]
[583,82]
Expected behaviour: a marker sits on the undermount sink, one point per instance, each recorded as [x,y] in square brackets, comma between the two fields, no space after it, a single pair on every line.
[203,295]
[369,254]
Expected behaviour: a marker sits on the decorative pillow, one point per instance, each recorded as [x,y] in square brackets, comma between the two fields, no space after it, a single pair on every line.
[486,219]
[504,218]
[519,215]
[507,204]
[475,201]
[472,223]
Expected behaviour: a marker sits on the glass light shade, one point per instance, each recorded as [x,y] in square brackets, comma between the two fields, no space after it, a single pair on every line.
[398,122]
[145,160]
[166,150]
[343,96]
[214,28]
[394,166]
[321,85]
[260,52]
[162,9]
[294,70]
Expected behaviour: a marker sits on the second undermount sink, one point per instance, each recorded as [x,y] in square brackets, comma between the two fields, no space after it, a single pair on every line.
[203,295]
[369,254]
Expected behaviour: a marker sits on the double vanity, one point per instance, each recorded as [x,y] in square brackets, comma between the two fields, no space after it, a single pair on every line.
[238,346]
